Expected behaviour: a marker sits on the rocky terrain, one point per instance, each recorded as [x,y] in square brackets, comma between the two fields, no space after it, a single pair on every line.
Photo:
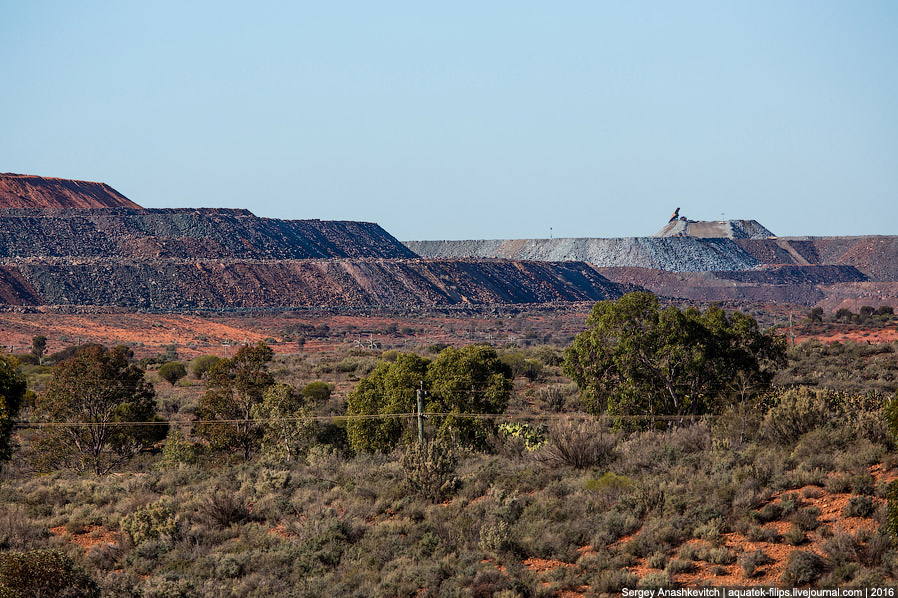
[28,191]
[724,229]
[803,285]
[673,254]
[186,234]
[74,243]
[874,256]
[736,260]
[170,284]
[70,243]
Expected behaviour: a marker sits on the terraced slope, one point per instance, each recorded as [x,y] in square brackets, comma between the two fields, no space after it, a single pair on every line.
[875,256]
[806,285]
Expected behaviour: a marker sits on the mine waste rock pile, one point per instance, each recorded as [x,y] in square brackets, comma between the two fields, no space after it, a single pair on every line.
[729,260]
[79,244]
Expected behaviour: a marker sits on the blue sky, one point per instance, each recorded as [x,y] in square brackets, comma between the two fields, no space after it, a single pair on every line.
[467,119]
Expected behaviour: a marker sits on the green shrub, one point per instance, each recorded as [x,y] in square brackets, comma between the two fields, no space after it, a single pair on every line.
[796,411]
[863,484]
[151,522]
[179,449]
[761,534]
[838,484]
[802,568]
[859,506]
[610,486]
[657,560]
[317,392]
[200,365]
[750,562]
[533,437]
[717,556]
[496,538]
[770,512]
[655,581]
[172,371]
[795,536]
[44,573]
[679,566]
[807,519]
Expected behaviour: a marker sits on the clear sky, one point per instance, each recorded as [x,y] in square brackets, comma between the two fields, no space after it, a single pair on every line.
[454,120]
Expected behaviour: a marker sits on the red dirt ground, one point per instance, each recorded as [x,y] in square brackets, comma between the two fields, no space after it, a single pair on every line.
[148,334]
[90,536]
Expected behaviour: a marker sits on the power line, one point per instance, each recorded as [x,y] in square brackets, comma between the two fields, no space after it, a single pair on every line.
[358,417]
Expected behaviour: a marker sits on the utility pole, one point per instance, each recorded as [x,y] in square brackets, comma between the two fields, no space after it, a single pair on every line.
[791,332]
[420,396]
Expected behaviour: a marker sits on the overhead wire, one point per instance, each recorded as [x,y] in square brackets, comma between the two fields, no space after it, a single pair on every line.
[355,417]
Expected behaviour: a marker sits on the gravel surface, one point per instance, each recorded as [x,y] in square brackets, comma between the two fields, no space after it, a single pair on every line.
[674,254]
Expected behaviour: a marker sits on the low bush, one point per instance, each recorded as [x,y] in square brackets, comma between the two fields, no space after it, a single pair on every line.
[859,506]
[581,444]
[795,536]
[39,573]
[679,566]
[807,518]
[149,523]
[222,508]
[802,568]
[751,562]
[429,469]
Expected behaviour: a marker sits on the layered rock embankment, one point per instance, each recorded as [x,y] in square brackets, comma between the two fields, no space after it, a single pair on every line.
[186,234]
[171,284]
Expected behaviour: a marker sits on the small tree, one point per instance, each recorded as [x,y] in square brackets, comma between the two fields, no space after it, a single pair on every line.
[429,468]
[39,347]
[97,389]
[12,391]
[468,380]
[288,426]
[233,387]
[843,315]
[457,382]
[389,389]
[316,392]
[202,364]
[172,371]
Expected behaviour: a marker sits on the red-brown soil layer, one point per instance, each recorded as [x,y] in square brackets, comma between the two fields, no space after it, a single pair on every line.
[28,191]
[148,334]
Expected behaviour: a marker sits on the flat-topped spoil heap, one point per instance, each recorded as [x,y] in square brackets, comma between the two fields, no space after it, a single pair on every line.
[186,233]
[29,191]
[720,229]
[674,254]
[76,244]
